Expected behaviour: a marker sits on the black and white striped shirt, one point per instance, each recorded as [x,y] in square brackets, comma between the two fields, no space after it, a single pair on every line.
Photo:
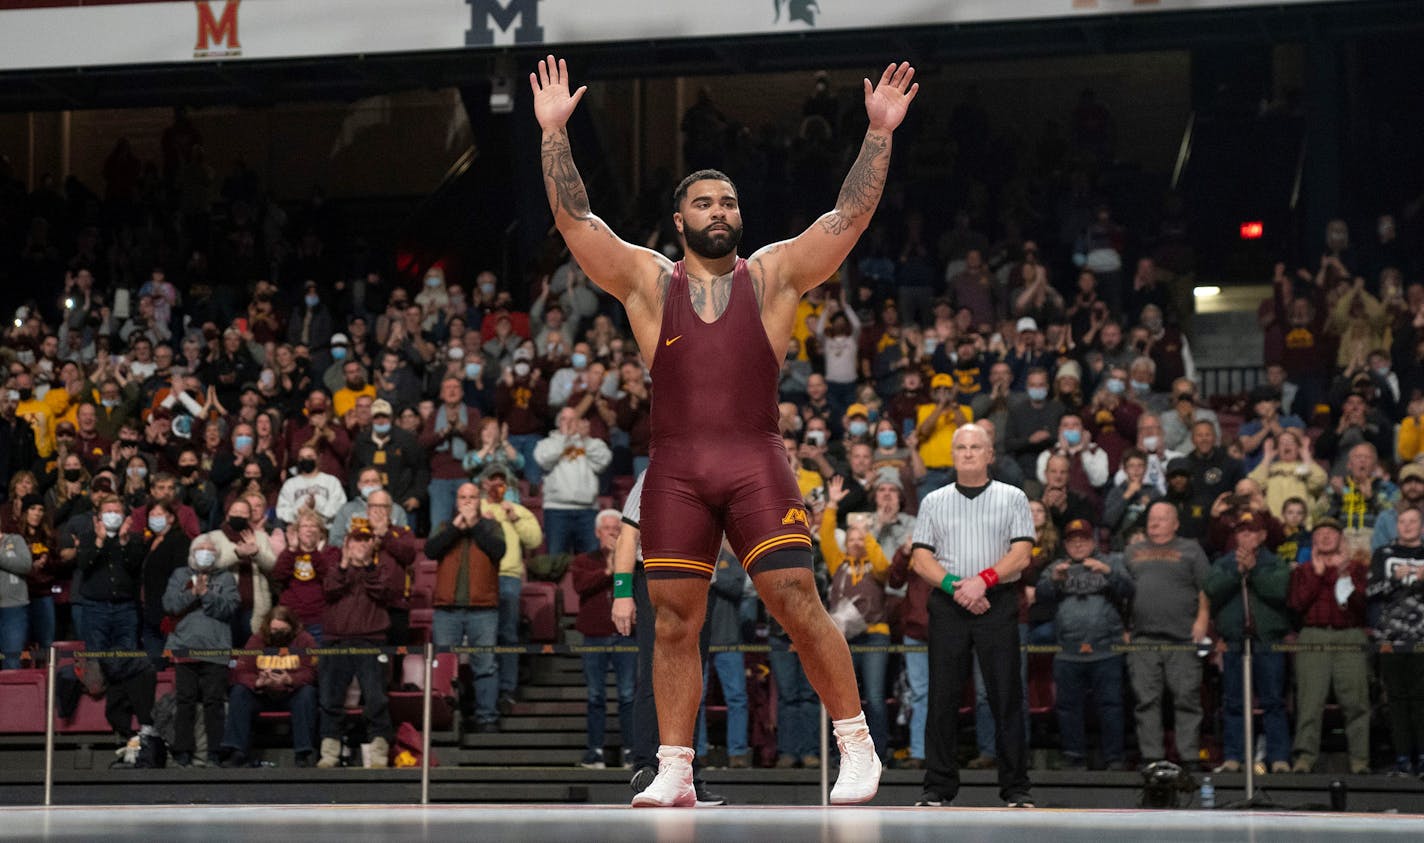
[970,532]
[633,511]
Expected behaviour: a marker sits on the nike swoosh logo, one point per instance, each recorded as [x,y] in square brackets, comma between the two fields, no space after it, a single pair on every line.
[673,340]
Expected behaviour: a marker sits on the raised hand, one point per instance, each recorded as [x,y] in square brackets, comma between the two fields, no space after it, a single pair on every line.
[887,102]
[837,490]
[552,101]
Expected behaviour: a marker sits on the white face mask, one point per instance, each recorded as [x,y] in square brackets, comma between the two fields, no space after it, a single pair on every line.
[112,521]
[1150,443]
[204,558]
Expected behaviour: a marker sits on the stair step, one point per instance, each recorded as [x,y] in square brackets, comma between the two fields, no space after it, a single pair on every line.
[520,757]
[551,723]
[564,707]
[561,693]
[521,740]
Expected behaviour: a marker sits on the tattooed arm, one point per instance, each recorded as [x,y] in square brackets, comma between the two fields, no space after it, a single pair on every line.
[614,265]
[810,258]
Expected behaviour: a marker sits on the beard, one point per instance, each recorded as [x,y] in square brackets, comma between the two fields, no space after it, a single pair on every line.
[713,244]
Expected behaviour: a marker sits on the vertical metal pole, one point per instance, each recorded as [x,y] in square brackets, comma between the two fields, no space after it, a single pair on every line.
[1246,712]
[425,728]
[825,758]
[49,729]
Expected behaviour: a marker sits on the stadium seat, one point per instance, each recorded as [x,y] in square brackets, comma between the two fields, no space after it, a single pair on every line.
[23,692]
[538,606]
[569,597]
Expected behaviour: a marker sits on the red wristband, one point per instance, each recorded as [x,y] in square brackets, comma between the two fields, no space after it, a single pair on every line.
[990,577]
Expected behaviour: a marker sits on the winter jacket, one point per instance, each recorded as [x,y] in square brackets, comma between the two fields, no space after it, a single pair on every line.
[471,556]
[357,599]
[15,565]
[404,467]
[203,622]
[594,584]
[861,580]
[111,572]
[724,601]
[914,608]
[571,467]
[1313,596]
[1087,617]
[1396,594]
[256,570]
[171,554]
[1269,584]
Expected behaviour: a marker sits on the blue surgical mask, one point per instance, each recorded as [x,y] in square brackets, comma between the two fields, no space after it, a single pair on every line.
[579,360]
[312,300]
[1382,371]
[1037,393]
[204,558]
[338,352]
[886,439]
[1072,437]
[857,428]
[1116,386]
[1139,386]
[108,403]
[432,280]
[487,289]
[242,442]
[472,370]
[112,521]
[157,523]
[368,491]
[381,428]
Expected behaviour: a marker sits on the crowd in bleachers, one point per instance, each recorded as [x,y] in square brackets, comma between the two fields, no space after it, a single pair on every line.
[228,422]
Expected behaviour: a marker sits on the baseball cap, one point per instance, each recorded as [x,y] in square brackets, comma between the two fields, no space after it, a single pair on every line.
[360,528]
[941,380]
[1078,528]
[1413,471]
[1027,323]
[1179,465]
[1328,524]
[497,469]
[339,339]
[381,407]
[857,410]
[1249,521]
[887,476]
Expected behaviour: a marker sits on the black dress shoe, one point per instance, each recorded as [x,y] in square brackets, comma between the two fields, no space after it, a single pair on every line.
[234,761]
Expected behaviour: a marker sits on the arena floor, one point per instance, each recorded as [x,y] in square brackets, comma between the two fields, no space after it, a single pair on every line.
[785,825]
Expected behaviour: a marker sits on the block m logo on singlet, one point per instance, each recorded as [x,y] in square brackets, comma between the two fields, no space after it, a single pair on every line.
[502,14]
[796,515]
[217,34]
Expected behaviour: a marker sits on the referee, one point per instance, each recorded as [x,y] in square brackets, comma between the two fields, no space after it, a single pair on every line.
[972,540]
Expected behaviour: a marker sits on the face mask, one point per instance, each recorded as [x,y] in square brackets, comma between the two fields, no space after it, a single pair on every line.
[187,470]
[157,523]
[886,439]
[1382,371]
[432,281]
[73,474]
[1139,386]
[816,437]
[280,639]
[338,352]
[857,428]
[579,360]
[521,369]
[237,522]
[931,343]
[138,472]
[1116,386]
[472,370]
[108,404]
[204,558]
[487,289]
[1037,393]
[1150,443]
[1072,437]
[312,301]
[1153,325]
[381,428]
[112,521]
[368,491]
[242,443]
[306,466]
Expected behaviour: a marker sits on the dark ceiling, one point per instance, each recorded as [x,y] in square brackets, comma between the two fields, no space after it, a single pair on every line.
[346,78]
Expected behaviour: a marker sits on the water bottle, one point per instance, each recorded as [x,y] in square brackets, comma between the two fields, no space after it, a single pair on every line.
[1208,794]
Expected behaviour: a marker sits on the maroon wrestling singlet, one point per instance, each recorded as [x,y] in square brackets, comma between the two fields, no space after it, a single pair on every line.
[717,461]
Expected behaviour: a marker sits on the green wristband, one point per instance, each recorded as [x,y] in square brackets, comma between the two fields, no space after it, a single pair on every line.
[622,585]
[947,584]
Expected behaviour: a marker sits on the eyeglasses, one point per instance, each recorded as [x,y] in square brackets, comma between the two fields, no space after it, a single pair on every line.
[378,506]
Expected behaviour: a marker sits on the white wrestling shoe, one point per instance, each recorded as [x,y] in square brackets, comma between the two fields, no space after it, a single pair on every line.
[673,786]
[859,778]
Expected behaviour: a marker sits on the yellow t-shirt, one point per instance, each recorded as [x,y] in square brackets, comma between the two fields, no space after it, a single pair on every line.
[808,481]
[937,449]
[345,399]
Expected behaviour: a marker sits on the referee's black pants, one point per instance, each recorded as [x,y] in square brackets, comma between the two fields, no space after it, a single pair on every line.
[956,635]
[641,748]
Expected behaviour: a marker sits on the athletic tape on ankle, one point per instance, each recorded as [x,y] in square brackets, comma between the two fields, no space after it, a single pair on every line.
[622,585]
[947,584]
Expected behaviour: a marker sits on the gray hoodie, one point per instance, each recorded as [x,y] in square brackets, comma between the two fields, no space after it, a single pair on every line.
[203,622]
[1087,604]
[15,565]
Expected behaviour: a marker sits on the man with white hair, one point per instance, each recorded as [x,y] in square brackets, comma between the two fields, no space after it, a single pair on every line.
[592,575]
